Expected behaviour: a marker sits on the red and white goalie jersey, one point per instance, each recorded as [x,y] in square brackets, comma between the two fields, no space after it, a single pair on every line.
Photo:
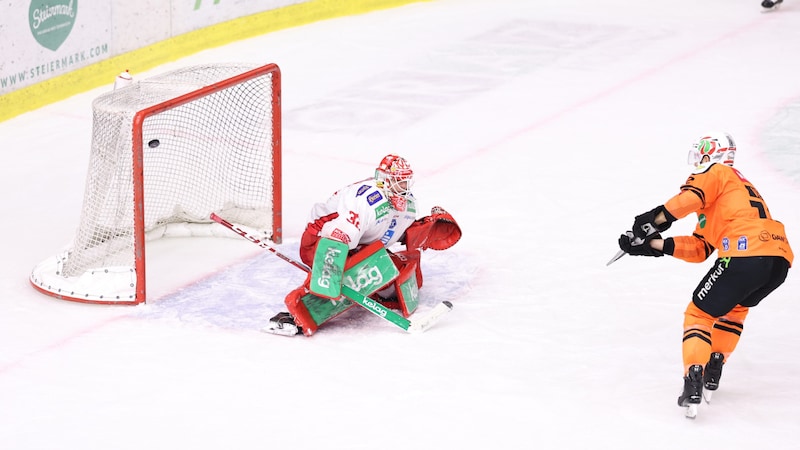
[360,214]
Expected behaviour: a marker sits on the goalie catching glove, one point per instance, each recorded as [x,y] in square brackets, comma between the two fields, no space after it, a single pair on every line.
[439,231]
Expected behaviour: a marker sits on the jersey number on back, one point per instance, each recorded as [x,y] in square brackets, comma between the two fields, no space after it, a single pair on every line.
[758,203]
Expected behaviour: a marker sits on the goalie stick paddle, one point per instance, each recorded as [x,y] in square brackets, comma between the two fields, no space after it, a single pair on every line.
[415,326]
[385,313]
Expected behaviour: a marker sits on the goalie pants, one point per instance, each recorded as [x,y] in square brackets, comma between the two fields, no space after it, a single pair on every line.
[308,246]
[714,320]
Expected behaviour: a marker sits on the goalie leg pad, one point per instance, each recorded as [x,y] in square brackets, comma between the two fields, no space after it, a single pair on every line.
[407,258]
[407,290]
[328,268]
[310,311]
[402,294]
[370,269]
[366,272]
[298,310]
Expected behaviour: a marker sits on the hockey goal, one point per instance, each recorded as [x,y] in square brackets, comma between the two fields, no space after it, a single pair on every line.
[168,151]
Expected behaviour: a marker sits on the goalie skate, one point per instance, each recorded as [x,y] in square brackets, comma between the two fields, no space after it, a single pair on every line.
[282,324]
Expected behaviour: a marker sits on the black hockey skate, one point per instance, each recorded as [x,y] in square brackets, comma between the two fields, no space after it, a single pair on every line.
[711,375]
[692,390]
[713,371]
[282,323]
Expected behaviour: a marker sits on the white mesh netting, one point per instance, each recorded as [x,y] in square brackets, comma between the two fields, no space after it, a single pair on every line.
[211,152]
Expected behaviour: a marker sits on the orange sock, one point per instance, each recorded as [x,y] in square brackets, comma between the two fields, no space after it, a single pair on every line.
[696,337]
[727,330]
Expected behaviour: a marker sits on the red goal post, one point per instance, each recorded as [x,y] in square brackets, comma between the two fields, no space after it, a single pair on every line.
[168,151]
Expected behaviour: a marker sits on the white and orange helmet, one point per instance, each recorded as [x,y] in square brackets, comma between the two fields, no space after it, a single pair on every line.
[719,147]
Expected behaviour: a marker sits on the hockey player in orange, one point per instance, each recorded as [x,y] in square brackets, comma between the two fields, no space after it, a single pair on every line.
[753,257]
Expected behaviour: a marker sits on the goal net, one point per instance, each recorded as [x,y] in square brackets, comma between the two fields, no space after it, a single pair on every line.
[168,151]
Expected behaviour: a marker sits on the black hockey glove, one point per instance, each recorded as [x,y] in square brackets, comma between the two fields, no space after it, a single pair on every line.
[632,245]
[645,224]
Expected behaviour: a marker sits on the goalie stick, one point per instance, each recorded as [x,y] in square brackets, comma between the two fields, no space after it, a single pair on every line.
[258,242]
[411,326]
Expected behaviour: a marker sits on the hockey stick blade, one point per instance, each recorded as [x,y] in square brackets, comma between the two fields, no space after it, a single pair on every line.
[619,255]
[411,326]
[691,411]
[429,320]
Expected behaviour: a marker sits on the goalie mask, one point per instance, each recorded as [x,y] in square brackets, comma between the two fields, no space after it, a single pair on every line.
[719,147]
[395,178]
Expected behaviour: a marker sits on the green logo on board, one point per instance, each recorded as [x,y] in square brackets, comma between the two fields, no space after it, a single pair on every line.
[51,21]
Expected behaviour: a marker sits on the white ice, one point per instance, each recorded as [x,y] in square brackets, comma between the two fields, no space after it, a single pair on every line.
[544,127]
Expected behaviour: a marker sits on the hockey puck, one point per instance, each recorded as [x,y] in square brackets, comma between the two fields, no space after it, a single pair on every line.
[154,143]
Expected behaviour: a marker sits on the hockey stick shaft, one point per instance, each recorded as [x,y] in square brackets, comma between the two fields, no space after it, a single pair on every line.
[362,300]
[619,255]
[258,242]
[381,311]
[376,308]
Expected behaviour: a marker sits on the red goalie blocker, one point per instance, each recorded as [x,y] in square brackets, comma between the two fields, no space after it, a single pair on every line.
[439,231]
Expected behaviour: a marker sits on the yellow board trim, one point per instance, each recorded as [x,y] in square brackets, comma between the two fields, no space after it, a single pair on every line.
[81,80]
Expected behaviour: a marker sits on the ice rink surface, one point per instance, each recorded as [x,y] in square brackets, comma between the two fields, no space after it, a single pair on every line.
[544,128]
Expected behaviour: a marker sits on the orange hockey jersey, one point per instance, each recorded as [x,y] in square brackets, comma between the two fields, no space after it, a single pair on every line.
[732,218]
